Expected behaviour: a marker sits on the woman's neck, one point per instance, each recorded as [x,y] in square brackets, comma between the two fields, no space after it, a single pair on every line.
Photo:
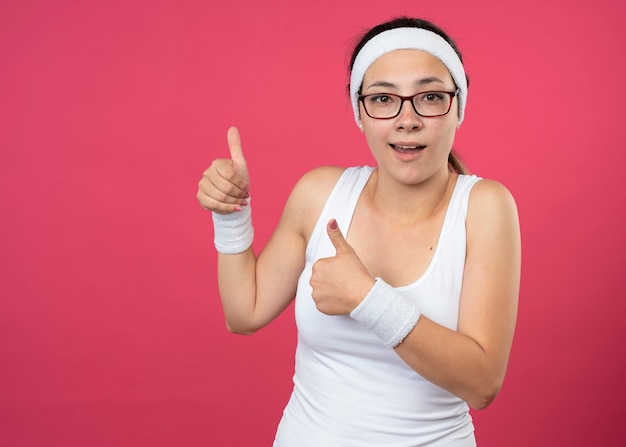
[409,204]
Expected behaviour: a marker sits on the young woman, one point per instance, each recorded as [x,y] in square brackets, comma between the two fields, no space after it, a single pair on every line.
[405,275]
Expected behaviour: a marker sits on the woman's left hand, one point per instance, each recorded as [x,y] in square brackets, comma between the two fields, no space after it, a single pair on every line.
[341,282]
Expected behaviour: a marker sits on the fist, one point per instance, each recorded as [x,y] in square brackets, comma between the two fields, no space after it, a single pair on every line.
[341,282]
[224,187]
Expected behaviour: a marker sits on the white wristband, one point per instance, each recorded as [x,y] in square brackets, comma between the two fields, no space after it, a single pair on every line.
[233,232]
[388,314]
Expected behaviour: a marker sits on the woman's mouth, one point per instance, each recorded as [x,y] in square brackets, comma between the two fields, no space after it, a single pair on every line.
[406,148]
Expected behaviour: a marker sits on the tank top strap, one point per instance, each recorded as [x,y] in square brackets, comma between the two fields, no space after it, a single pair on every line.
[460,198]
[341,203]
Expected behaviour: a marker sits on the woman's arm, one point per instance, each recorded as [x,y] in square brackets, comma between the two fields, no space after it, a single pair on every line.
[255,290]
[470,362]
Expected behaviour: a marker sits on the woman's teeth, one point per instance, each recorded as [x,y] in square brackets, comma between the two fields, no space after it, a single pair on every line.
[400,147]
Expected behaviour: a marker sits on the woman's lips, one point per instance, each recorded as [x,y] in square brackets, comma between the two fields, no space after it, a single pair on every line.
[407,147]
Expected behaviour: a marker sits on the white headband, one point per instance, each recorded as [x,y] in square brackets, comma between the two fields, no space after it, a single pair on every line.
[407,39]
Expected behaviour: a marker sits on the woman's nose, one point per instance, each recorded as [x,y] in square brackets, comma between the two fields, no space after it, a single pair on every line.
[408,117]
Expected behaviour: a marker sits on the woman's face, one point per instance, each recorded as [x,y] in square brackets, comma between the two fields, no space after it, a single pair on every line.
[409,147]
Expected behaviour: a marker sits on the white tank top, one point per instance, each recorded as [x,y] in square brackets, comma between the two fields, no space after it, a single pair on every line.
[349,388]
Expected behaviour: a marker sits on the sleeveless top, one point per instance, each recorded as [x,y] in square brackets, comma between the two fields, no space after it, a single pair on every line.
[349,388]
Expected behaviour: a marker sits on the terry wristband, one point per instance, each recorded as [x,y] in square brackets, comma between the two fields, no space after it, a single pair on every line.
[388,314]
[233,232]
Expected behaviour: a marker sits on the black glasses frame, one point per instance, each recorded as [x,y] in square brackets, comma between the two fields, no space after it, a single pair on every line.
[410,99]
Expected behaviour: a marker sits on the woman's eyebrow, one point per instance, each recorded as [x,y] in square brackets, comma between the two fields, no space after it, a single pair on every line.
[429,80]
[391,85]
[386,84]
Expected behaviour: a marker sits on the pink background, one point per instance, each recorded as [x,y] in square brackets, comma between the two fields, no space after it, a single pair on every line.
[111,332]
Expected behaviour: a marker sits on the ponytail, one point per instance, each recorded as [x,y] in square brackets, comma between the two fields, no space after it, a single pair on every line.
[455,163]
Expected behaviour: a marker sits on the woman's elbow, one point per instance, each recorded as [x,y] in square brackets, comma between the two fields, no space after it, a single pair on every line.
[240,329]
[485,396]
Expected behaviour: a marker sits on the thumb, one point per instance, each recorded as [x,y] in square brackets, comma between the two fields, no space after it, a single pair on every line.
[234,145]
[336,237]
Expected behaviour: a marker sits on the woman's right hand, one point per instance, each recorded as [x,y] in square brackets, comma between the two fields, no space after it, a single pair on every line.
[224,187]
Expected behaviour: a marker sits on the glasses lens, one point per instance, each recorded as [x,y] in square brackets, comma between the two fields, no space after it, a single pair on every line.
[382,106]
[432,103]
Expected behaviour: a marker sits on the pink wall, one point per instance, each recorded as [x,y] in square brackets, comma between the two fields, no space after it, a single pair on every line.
[111,331]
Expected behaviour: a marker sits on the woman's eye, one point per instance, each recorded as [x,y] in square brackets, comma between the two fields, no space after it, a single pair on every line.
[382,99]
[432,97]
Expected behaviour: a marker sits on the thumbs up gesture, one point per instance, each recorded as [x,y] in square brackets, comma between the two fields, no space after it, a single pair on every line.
[225,184]
[339,283]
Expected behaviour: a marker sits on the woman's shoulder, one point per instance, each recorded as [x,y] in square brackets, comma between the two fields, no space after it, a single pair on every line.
[488,191]
[323,174]
[318,183]
[490,202]
[309,195]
